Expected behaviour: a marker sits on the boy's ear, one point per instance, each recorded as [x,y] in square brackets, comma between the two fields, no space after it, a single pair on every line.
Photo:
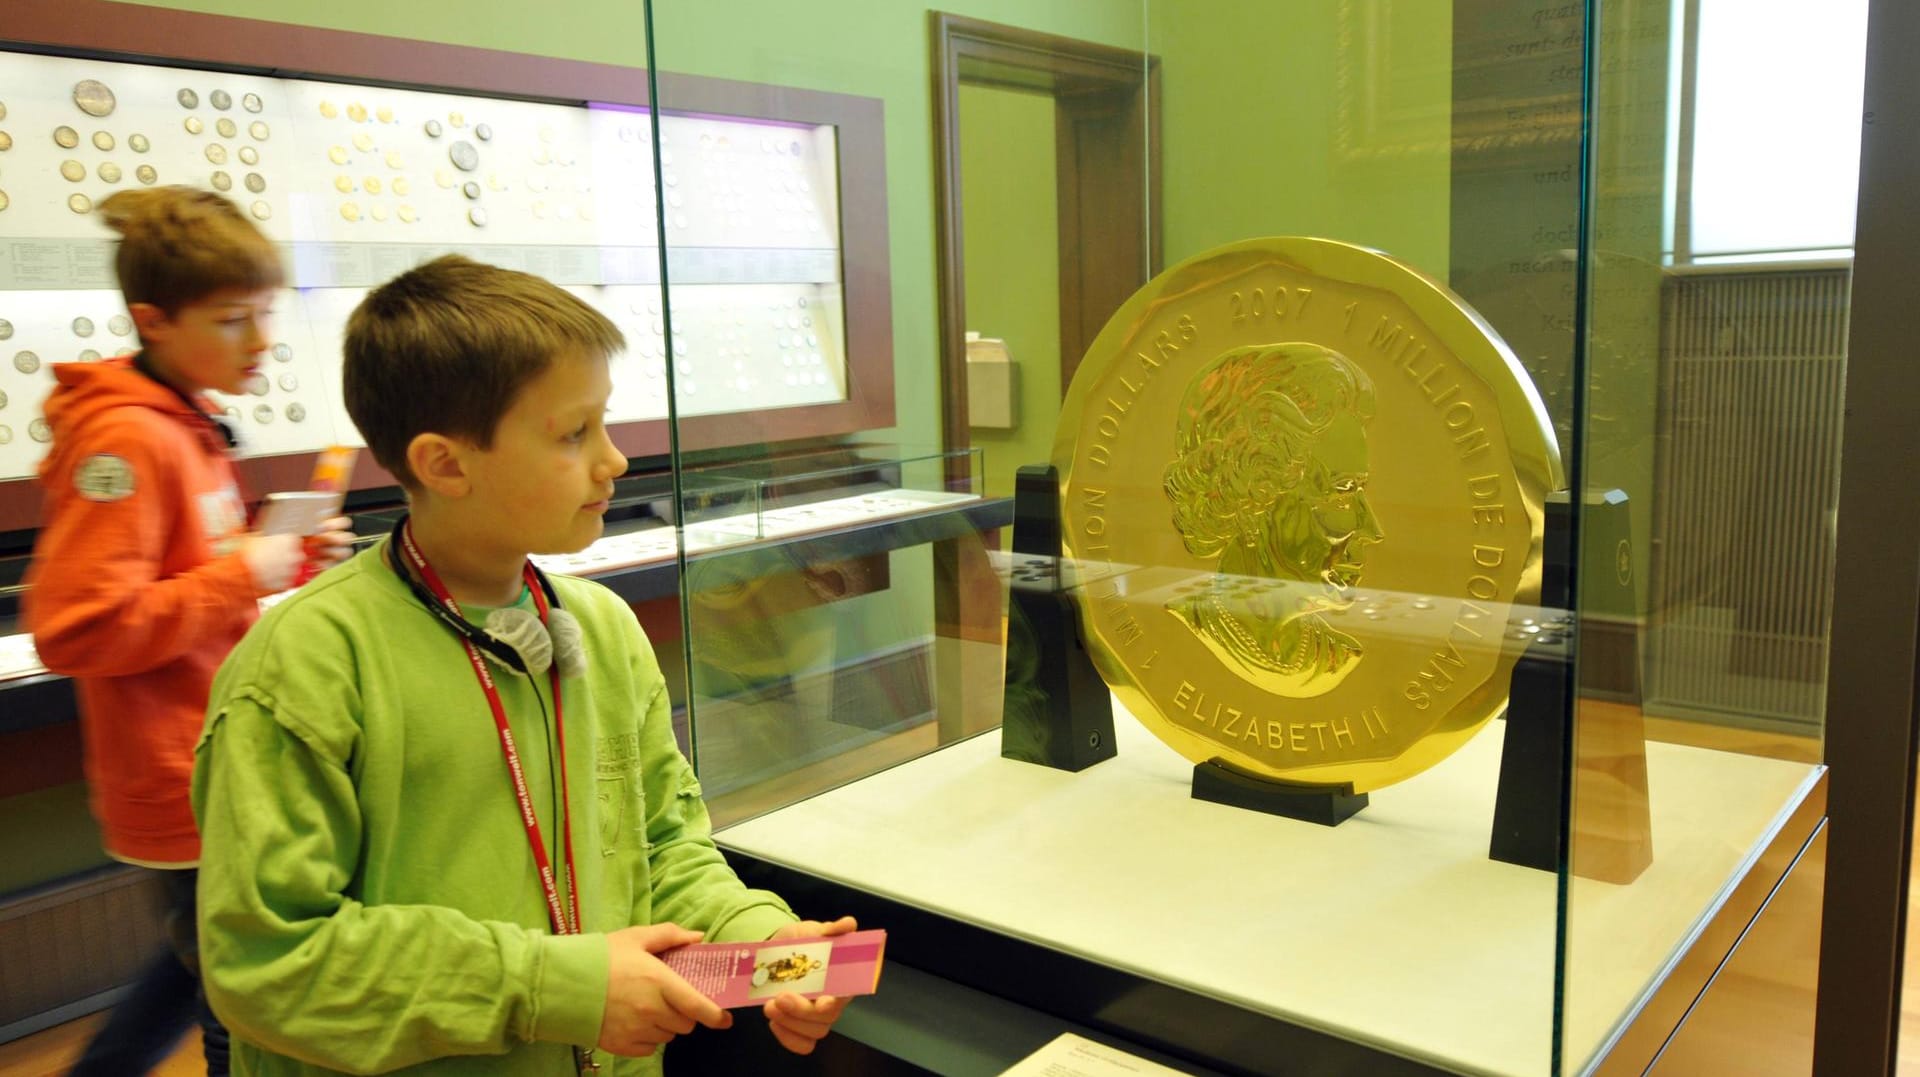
[438,462]
[148,319]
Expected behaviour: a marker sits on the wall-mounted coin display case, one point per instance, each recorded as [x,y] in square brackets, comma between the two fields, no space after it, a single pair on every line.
[779,297]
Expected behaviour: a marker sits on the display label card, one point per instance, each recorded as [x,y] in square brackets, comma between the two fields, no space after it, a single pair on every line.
[749,973]
[1076,1056]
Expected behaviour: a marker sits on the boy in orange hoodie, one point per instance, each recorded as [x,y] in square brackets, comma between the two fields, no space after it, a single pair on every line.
[144,575]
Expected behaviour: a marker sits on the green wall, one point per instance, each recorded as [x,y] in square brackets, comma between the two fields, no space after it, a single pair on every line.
[1011,221]
[1251,132]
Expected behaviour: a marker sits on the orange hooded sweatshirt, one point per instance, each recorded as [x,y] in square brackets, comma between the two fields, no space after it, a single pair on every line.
[137,592]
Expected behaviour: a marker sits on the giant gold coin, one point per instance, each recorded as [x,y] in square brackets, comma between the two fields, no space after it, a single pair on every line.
[1302,487]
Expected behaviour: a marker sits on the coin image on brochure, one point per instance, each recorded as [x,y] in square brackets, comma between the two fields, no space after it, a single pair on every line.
[1302,485]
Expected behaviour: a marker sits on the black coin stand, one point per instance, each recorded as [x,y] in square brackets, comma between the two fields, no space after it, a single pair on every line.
[1223,783]
[1058,712]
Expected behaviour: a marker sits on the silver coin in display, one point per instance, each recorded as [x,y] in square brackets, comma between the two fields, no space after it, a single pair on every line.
[39,431]
[464,156]
[220,99]
[187,98]
[296,412]
[93,97]
[282,352]
[83,326]
[6,329]
[263,413]
[251,102]
[119,325]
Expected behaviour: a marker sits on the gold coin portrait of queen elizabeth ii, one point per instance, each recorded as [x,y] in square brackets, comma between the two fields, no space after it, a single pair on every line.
[1302,485]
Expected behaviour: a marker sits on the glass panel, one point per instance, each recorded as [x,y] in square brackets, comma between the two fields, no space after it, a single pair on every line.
[853,619]
[1326,499]
[1711,437]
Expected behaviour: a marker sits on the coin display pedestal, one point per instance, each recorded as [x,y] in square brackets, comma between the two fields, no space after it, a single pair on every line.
[1058,712]
[1527,811]
[1223,783]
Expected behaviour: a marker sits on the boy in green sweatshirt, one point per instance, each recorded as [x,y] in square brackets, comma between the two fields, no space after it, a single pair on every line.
[434,845]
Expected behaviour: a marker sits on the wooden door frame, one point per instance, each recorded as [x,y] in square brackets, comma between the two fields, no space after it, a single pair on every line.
[1091,85]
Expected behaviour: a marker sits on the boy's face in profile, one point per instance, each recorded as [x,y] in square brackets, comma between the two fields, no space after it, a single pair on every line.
[543,486]
[211,343]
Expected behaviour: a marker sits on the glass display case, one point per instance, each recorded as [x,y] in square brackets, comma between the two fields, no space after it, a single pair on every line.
[1543,884]
[1408,470]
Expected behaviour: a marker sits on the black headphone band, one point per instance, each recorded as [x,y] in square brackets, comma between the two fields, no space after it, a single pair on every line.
[462,627]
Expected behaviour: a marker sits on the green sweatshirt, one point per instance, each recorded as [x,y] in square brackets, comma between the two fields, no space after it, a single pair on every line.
[367,897]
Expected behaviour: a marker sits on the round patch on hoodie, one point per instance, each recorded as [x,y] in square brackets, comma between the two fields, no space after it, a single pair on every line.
[104,477]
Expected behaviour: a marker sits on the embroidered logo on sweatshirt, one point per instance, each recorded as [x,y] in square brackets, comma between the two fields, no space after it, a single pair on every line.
[104,477]
[616,771]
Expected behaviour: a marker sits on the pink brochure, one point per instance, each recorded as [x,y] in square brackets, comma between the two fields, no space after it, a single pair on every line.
[749,973]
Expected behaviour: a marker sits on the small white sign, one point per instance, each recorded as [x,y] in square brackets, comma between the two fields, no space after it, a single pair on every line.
[1076,1056]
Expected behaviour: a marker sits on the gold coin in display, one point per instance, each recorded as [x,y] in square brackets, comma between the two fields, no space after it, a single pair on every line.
[357,112]
[407,215]
[539,210]
[145,174]
[193,125]
[93,97]
[102,141]
[6,141]
[3,110]
[586,213]
[329,110]
[363,142]
[119,325]
[108,172]
[138,143]
[394,160]
[470,189]
[216,153]
[379,212]
[456,119]
[494,182]
[400,186]
[262,211]
[443,177]
[251,102]
[221,181]
[73,171]
[6,434]
[259,130]
[464,156]
[4,203]
[350,210]
[26,362]
[83,326]
[371,185]
[337,154]
[248,155]
[187,98]
[220,99]
[343,184]
[384,114]
[39,431]
[3,398]
[433,129]
[66,137]
[6,329]
[256,182]
[477,217]
[1302,486]
[226,127]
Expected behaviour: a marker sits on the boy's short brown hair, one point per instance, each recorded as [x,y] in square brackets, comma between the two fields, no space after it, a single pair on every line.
[182,244]
[445,348]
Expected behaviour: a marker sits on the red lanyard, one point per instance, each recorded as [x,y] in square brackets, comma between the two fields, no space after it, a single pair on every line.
[562,924]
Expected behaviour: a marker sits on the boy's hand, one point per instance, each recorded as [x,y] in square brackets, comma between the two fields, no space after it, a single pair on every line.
[271,560]
[648,1003]
[799,1023]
